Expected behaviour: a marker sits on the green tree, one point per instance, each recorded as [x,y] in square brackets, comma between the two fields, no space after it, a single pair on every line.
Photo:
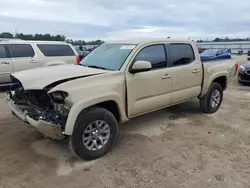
[217,40]
[47,37]
[38,37]
[6,35]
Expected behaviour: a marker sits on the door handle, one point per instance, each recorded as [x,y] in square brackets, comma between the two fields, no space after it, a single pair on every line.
[166,76]
[196,70]
[5,62]
[33,61]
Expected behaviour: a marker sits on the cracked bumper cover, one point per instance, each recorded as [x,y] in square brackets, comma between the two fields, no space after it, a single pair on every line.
[47,129]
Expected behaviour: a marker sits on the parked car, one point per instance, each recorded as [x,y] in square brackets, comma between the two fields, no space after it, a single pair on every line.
[240,52]
[244,73]
[115,82]
[82,53]
[18,55]
[201,50]
[248,53]
[213,54]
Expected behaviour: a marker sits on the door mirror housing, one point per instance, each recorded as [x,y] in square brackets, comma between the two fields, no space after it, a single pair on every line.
[140,66]
[248,58]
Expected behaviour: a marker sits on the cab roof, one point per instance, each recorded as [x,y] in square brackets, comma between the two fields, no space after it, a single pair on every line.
[149,40]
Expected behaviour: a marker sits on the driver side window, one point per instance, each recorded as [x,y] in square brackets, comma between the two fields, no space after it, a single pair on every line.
[155,54]
[3,53]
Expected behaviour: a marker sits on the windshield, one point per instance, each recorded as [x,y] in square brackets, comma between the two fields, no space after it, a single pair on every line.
[209,52]
[108,56]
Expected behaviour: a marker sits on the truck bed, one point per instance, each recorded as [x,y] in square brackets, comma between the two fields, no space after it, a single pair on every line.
[212,68]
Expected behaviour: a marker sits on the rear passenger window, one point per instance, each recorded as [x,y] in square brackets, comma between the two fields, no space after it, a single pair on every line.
[21,50]
[154,54]
[2,52]
[56,50]
[181,54]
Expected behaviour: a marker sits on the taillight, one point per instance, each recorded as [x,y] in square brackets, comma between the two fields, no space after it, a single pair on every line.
[236,68]
[78,59]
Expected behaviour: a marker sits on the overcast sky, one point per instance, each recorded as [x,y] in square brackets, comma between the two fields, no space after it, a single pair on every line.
[117,19]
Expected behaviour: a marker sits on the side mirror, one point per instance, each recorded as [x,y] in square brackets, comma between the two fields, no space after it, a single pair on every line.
[140,66]
[248,58]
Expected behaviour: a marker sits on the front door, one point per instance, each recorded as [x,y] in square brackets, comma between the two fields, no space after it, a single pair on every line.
[186,72]
[150,90]
[22,57]
[5,65]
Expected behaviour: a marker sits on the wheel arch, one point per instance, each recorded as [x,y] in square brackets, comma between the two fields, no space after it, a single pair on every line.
[222,80]
[219,78]
[112,103]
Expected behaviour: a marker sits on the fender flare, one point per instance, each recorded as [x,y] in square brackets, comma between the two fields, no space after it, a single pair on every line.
[210,81]
[84,103]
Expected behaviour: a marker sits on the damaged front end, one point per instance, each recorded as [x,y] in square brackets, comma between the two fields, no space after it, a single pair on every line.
[46,112]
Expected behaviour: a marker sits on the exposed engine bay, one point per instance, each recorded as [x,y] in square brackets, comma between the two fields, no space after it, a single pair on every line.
[39,105]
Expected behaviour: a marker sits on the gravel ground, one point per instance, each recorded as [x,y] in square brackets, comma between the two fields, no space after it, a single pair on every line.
[177,147]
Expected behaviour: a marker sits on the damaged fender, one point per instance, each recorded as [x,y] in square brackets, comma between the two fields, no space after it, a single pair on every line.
[84,103]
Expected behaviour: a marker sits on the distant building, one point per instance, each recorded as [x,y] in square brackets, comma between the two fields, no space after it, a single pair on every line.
[234,46]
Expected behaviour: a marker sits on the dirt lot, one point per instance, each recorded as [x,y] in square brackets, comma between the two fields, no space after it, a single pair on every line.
[171,148]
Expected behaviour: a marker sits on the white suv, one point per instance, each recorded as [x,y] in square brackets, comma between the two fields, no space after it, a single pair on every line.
[18,55]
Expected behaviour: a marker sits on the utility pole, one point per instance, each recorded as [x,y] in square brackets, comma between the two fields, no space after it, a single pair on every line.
[15,33]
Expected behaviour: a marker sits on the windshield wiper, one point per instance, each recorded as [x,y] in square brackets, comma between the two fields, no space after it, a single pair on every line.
[96,67]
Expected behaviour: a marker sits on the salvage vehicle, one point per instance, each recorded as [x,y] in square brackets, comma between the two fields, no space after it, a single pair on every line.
[244,73]
[215,54]
[18,55]
[114,83]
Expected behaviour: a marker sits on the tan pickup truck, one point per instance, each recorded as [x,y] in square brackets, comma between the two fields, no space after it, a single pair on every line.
[114,83]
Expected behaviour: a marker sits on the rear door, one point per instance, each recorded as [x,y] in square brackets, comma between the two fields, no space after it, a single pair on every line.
[57,53]
[5,65]
[22,57]
[186,72]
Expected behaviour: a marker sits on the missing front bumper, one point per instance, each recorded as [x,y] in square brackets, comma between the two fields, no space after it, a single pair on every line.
[47,129]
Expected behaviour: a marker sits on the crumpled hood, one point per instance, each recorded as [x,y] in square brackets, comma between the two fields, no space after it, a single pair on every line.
[39,78]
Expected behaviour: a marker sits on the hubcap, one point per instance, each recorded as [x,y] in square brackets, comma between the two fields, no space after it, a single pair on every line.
[215,98]
[96,135]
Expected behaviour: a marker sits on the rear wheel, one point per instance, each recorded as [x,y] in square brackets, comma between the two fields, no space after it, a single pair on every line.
[94,134]
[211,102]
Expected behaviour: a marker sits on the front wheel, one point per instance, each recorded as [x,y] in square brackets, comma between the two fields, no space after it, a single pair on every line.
[94,134]
[211,102]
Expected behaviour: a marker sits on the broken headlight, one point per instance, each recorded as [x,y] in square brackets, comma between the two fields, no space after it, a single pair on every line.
[59,96]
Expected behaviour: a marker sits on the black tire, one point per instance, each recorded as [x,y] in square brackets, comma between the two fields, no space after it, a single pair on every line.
[85,118]
[205,103]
